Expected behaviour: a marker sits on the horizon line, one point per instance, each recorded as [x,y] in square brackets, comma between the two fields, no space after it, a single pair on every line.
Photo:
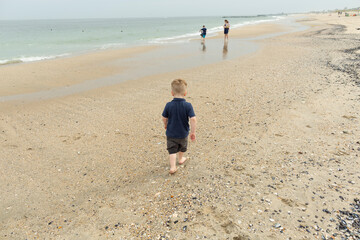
[87,18]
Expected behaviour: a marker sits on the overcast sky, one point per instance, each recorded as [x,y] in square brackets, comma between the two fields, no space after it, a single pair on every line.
[50,9]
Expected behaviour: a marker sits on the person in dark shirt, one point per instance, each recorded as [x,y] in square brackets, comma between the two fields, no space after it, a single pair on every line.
[203,33]
[226,30]
[176,116]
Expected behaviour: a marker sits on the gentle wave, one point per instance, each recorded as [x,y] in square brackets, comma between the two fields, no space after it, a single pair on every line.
[105,35]
[276,18]
[210,32]
[112,45]
[30,59]
[6,62]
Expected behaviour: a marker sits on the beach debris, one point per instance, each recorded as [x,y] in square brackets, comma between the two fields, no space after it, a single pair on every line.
[348,225]
[356,223]
[277,225]
[326,211]
[317,228]
[342,225]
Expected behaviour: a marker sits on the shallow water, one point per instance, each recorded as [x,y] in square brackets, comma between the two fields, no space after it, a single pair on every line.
[183,56]
[33,40]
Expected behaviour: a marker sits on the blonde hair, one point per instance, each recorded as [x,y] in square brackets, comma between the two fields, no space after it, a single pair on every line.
[178,86]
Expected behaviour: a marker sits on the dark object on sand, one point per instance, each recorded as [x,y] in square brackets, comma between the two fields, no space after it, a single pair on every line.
[326,211]
[356,223]
[342,225]
[350,227]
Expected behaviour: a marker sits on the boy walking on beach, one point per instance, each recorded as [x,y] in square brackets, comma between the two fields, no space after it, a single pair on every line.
[176,116]
[203,33]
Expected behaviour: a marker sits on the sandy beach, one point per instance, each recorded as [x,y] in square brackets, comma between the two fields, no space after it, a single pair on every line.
[276,157]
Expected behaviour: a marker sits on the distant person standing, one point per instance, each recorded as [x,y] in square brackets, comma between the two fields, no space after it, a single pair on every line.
[203,33]
[226,30]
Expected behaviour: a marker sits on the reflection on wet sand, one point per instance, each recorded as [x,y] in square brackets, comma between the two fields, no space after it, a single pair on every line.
[225,50]
[158,60]
[203,48]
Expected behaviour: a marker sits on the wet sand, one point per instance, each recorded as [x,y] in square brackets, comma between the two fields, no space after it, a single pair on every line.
[71,75]
[277,154]
[250,31]
[45,75]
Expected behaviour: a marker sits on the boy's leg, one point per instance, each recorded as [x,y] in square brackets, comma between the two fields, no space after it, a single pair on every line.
[173,163]
[172,149]
[182,150]
[182,159]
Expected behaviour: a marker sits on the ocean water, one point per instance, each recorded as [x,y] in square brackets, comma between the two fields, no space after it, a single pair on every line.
[34,40]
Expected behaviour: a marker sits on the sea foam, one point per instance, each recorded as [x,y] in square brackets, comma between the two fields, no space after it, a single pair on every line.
[210,32]
[24,59]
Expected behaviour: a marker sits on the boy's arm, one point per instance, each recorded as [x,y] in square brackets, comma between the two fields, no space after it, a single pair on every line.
[193,128]
[165,120]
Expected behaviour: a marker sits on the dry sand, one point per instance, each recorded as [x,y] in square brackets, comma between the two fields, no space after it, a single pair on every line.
[277,153]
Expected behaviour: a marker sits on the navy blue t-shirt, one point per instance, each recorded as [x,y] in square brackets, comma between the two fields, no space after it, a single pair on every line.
[203,31]
[178,112]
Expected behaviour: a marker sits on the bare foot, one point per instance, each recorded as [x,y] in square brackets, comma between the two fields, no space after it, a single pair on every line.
[182,161]
[172,171]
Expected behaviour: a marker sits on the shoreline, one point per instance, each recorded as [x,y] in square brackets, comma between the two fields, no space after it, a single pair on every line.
[276,157]
[111,67]
[151,43]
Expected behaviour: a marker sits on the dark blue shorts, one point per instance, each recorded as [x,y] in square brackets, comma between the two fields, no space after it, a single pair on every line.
[226,30]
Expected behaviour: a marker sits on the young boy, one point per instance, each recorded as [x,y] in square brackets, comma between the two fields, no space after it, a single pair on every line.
[203,33]
[176,117]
